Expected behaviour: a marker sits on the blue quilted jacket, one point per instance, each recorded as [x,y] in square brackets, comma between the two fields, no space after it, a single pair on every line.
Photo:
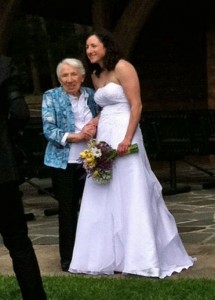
[58,118]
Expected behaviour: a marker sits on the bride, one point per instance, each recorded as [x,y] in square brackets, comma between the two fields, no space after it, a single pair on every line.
[124,226]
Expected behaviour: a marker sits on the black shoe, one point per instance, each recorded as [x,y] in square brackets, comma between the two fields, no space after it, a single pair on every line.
[65,266]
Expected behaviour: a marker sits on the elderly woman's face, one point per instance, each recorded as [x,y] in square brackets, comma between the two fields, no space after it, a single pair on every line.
[71,79]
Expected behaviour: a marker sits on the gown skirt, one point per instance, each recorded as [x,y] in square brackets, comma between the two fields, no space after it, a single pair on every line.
[125,226]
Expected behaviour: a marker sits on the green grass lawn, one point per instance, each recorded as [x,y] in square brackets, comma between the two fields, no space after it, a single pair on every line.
[106,288]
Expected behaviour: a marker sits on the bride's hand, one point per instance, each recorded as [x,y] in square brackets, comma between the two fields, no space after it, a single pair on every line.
[89,131]
[123,147]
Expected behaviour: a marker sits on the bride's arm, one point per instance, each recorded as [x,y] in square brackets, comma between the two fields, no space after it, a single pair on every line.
[128,78]
[90,128]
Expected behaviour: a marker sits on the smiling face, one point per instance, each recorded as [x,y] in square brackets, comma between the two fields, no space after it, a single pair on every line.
[95,50]
[71,79]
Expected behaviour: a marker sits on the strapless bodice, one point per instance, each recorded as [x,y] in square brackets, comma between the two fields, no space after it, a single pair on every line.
[110,94]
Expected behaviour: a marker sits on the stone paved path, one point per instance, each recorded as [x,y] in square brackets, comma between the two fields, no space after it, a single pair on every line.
[194,212]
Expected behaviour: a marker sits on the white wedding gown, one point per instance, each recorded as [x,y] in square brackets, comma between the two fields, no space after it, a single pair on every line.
[125,226]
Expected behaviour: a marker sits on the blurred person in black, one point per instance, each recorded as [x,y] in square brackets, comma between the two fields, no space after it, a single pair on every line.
[14,115]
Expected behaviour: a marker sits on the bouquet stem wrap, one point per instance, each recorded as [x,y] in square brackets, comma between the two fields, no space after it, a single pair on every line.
[98,160]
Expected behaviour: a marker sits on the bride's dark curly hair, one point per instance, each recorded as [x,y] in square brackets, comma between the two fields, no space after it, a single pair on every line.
[112,56]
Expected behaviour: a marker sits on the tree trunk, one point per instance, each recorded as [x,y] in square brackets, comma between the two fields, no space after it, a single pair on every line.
[35,74]
[101,13]
[131,23]
[8,9]
[49,54]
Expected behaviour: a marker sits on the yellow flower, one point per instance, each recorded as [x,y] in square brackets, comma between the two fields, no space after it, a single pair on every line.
[84,154]
[92,164]
[89,160]
[95,173]
[89,154]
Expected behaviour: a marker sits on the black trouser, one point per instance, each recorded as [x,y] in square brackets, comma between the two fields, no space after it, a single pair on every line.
[68,188]
[14,231]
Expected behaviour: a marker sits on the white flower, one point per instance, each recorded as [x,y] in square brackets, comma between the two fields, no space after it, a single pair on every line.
[96,152]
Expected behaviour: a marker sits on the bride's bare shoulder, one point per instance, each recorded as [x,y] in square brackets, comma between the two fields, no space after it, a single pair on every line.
[124,67]
[123,64]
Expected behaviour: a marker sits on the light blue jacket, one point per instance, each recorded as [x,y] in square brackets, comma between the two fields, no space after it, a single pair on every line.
[58,118]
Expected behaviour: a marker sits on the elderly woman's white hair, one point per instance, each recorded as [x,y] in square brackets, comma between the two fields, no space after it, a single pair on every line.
[73,62]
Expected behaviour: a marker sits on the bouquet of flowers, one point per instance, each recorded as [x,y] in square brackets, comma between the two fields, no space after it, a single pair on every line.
[98,160]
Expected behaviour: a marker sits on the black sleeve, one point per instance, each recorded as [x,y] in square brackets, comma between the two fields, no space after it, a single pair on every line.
[18,111]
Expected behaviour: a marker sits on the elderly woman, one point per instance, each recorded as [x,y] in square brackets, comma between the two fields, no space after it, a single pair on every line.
[66,111]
